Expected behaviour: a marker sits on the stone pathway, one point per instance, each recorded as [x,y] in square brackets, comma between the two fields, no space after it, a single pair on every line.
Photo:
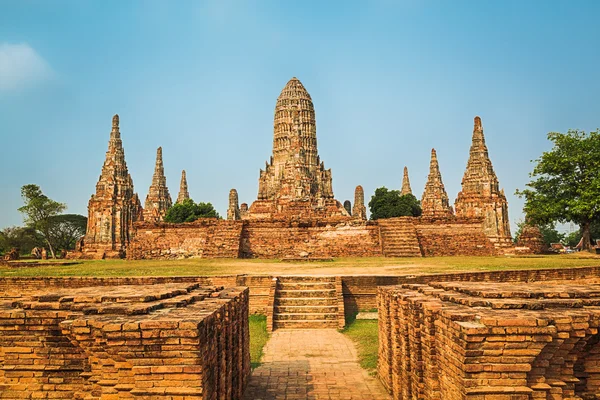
[312,364]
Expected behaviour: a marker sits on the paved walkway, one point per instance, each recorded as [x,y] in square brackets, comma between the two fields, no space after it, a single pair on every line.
[312,364]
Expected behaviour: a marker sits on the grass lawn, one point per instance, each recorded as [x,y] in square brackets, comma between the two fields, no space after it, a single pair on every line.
[339,266]
[364,334]
[258,338]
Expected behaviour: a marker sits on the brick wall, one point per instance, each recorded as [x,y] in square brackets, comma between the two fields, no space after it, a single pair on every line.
[490,340]
[453,237]
[165,341]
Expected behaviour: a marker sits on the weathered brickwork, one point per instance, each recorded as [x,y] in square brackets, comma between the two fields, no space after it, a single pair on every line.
[158,200]
[184,194]
[113,208]
[435,201]
[460,340]
[480,195]
[359,211]
[450,236]
[531,240]
[168,341]
[295,182]
[406,189]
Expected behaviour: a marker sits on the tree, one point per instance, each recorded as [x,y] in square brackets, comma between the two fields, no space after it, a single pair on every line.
[39,210]
[23,239]
[388,203]
[66,229]
[565,183]
[188,211]
[549,233]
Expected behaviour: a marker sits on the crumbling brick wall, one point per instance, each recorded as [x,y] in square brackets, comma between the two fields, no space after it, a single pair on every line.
[464,340]
[133,341]
[451,236]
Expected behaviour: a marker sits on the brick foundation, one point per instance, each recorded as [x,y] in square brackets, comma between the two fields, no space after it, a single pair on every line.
[165,341]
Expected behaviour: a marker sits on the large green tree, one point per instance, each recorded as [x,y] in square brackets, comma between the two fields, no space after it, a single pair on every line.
[66,229]
[188,211]
[565,182]
[388,204]
[38,212]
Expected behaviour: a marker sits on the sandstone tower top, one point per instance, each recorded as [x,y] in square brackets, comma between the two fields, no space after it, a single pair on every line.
[115,121]
[435,200]
[158,200]
[406,189]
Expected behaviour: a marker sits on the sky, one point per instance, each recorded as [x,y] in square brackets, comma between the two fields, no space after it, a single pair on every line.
[389,80]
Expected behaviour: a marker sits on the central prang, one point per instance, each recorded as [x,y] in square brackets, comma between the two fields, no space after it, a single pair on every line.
[295,181]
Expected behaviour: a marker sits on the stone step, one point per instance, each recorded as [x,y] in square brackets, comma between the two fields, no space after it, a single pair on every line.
[306,293]
[306,301]
[303,278]
[304,317]
[303,324]
[306,286]
[306,309]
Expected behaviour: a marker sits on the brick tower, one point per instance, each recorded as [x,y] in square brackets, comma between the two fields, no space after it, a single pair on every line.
[481,195]
[295,182]
[406,189]
[114,207]
[183,189]
[435,201]
[158,200]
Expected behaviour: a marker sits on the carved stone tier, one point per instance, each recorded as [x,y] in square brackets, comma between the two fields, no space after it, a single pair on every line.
[481,195]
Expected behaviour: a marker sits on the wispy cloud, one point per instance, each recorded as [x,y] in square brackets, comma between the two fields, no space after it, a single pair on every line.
[21,66]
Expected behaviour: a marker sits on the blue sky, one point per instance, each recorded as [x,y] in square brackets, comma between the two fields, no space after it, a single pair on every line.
[389,80]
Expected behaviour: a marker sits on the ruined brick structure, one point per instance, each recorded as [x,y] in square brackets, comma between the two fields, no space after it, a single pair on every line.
[348,207]
[233,211]
[295,182]
[405,183]
[531,240]
[183,189]
[114,207]
[158,200]
[490,340]
[165,341]
[480,195]
[359,211]
[434,202]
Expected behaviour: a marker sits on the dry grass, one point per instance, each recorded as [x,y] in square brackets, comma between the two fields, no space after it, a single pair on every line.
[341,266]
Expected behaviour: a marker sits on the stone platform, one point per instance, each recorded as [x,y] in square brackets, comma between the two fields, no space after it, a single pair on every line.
[501,341]
[166,341]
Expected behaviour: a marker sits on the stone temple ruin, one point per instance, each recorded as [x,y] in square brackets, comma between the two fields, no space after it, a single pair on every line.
[295,213]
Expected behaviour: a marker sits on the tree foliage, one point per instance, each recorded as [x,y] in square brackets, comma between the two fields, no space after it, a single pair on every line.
[565,183]
[388,204]
[66,229]
[39,210]
[188,211]
[24,239]
[549,233]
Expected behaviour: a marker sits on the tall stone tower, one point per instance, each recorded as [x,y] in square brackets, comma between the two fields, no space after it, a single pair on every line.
[359,211]
[233,211]
[406,189]
[158,200]
[114,207]
[295,182]
[183,189]
[435,201]
[481,195]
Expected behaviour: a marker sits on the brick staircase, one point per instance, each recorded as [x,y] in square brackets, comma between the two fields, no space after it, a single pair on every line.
[399,237]
[223,242]
[303,302]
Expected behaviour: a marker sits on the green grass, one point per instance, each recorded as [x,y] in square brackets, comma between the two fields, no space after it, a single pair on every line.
[364,333]
[340,266]
[258,338]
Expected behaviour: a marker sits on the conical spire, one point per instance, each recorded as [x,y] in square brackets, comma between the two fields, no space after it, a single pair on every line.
[405,184]
[110,230]
[480,195]
[183,189]
[233,211]
[435,199]
[359,210]
[158,200]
